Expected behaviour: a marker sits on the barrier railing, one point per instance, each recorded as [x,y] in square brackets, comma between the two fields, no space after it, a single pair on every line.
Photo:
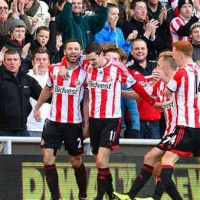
[7,142]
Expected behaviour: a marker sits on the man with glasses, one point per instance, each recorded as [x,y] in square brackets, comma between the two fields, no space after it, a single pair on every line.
[4,12]
[4,20]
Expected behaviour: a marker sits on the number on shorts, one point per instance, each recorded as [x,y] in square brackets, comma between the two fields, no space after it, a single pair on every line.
[173,139]
[167,139]
[79,143]
[112,135]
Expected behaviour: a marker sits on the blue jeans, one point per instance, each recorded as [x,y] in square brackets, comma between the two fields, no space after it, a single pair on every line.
[15,133]
[149,129]
[35,134]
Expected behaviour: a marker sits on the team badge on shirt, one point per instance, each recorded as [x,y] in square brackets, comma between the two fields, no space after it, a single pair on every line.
[77,82]
[108,79]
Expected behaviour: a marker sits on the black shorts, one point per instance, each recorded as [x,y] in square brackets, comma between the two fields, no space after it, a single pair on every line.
[165,143]
[104,133]
[55,133]
[186,141]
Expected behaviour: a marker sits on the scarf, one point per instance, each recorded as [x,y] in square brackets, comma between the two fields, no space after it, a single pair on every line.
[33,10]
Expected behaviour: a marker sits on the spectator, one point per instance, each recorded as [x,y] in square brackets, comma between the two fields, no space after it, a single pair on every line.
[195,41]
[112,34]
[16,41]
[41,38]
[124,6]
[128,106]
[94,5]
[72,24]
[56,56]
[58,6]
[5,20]
[46,37]
[4,13]
[174,5]
[16,87]
[37,12]
[180,26]
[40,62]
[142,69]
[146,29]
[164,15]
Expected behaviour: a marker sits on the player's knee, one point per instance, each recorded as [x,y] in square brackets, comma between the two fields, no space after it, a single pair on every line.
[47,160]
[148,159]
[76,164]
[101,164]
[76,161]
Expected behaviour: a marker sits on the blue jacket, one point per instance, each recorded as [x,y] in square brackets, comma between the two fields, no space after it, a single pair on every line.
[106,35]
[131,106]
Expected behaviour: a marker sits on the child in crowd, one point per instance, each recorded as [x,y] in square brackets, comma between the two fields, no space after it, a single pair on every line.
[48,39]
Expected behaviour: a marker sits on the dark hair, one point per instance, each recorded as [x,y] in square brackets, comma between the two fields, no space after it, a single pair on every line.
[58,34]
[42,28]
[134,3]
[139,40]
[11,52]
[182,2]
[40,50]
[94,47]
[73,40]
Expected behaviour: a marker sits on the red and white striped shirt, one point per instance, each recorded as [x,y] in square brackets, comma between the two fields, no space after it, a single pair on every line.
[175,24]
[174,5]
[104,86]
[67,94]
[186,84]
[169,104]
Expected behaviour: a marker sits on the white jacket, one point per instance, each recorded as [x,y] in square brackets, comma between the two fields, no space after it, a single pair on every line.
[42,14]
[32,124]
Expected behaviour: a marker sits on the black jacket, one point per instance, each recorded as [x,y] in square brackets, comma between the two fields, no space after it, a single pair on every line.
[134,65]
[14,99]
[153,46]
[13,44]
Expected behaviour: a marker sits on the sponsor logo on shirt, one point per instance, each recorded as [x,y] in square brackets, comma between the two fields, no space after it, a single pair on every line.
[99,85]
[65,90]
